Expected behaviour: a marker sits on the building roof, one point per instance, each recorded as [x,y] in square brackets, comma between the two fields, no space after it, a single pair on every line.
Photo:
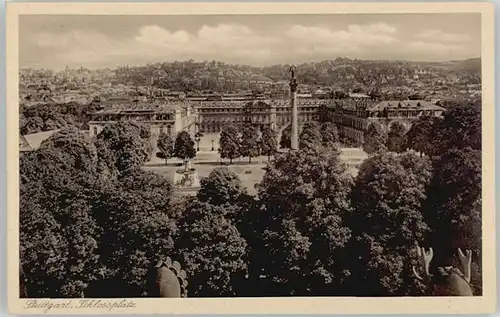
[408,104]
[23,144]
[358,95]
[141,107]
[34,140]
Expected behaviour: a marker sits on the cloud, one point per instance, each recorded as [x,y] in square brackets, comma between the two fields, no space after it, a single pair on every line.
[236,43]
[354,36]
[223,39]
[440,36]
[437,49]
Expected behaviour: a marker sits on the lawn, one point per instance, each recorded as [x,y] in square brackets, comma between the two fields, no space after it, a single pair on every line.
[250,174]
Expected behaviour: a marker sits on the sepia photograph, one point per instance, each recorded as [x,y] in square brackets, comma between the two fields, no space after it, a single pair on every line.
[250,155]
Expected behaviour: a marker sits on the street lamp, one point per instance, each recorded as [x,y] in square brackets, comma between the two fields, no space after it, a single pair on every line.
[198,138]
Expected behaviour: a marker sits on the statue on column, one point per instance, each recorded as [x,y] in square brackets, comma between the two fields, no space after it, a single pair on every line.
[293,79]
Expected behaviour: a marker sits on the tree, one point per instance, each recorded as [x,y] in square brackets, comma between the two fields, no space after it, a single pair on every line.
[375,94]
[184,146]
[304,199]
[286,137]
[396,138]
[58,234]
[453,207]
[58,247]
[324,114]
[340,95]
[387,222]
[211,249]
[230,141]
[249,145]
[374,139]
[460,128]
[166,145]
[329,134]
[221,187]
[74,219]
[123,145]
[310,137]
[268,141]
[421,134]
[136,209]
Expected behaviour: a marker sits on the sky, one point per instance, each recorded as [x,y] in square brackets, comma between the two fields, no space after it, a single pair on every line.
[100,41]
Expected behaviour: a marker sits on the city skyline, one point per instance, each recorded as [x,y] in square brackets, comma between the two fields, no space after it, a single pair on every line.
[54,42]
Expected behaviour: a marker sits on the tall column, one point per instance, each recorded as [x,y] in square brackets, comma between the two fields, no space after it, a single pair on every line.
[295,124]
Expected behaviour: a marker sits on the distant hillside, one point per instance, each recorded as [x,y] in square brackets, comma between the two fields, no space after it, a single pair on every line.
[472,64]
[343,73]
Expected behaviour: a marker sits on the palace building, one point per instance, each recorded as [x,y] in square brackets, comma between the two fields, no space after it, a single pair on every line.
[214,115]
[161,117]
[354,117]
[211,114]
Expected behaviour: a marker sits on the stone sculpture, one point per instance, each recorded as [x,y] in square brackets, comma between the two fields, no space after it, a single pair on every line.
[171,280]
[447,281]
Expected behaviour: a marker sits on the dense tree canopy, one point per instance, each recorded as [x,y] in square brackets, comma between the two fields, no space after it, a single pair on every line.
[375,139]
[135,209]
[329,134]
[460,128]
[304,197]
[310,137]
[396,138]
[46,117]
[124,145]
[58,235]
[221,187]
[74,219]
[421,135]
[211,249]
[454,205]
[387,222]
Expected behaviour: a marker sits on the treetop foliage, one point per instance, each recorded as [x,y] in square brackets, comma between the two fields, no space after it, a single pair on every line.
[387,220]
[211,249]
[230,141]
[396,139]
[375,139]
[249,145]
[221,187]
[184,146]
[124,145]
[165,144]
[268,141]
[304,200]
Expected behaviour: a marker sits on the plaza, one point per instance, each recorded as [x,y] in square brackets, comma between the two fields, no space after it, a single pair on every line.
[251,174]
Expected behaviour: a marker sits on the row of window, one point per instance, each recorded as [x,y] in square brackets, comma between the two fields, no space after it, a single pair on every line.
[256,118]
[253,110]
[154,129]
[158,117]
